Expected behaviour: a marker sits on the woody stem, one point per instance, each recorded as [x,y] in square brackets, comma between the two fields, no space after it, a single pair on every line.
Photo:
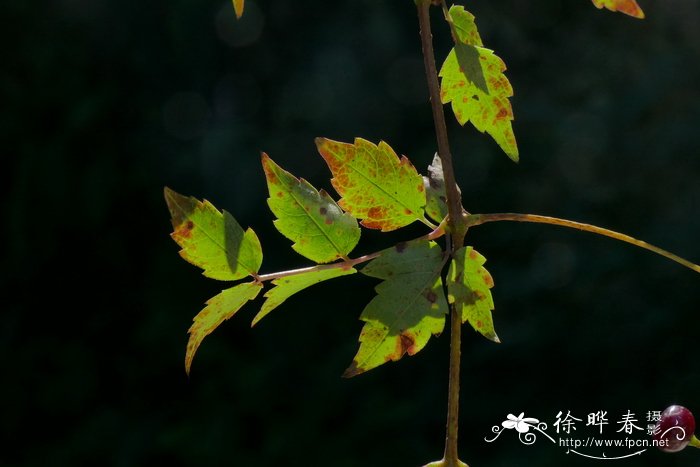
[456,227]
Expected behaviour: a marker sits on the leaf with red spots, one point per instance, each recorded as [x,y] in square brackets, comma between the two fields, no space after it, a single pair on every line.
[218,309]
[435,192]
[628,7]
[238,7]
[320,230]
[410,305]
[213,240]
[385,192]
[473,81]
[468,287]
[285,287]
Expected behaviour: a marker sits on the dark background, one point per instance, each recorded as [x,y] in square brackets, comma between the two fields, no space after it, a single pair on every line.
[106,102]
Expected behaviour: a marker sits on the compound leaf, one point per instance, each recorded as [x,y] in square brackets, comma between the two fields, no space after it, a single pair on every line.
[410,305]
[285,287]
[321,231]
[238,7]
[628,7]
[473,81]
[218,309]
[435,191]
[385,192]
[468,286]
[212,240]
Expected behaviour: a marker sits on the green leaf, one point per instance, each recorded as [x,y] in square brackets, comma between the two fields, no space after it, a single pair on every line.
[285,287]
[435,191]
[628,7]
[468,286]
[213,240]
[410,305]
[238,7]
[376,186]
[321,231]
[473,81]
[465,26]
[218,309]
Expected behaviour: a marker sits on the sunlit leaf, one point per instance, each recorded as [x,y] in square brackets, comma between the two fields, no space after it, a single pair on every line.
[213,240]
[285,287]
[628,7]
[473,81]
[238,7]
[410,305]
[435,191]
[218,309]
[376,186]
[465,26]
[321,231]
[468,286]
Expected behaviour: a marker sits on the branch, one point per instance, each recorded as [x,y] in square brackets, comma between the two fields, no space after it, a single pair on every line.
[347,263]
[456,227]
[478,219]
[454,201]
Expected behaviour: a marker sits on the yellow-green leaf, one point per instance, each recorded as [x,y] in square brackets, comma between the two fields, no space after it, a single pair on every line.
[213,240]
[385,192]
[285,287]
[410,305]
[238,7]
[628,7]
[218,309]
[465,26]
[468,287]
[320,230]
[473,81]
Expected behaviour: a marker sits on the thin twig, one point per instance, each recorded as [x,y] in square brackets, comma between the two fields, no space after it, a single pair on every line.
[478,219]
[348,263]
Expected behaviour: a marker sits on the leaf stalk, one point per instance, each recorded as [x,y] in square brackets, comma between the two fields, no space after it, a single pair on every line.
[347,264]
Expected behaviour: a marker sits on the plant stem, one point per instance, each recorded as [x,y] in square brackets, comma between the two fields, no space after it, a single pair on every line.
[451,456]
[454,201]
[478,219]
[456,227]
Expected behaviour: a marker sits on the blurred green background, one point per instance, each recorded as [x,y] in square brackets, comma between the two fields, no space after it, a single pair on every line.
[106,102]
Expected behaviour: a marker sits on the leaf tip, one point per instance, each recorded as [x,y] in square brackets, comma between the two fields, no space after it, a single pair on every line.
[170,195]
[257,318]
[352,370]
[321,143]
[189,356]
[238,6]
[178,205]
[268,165]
